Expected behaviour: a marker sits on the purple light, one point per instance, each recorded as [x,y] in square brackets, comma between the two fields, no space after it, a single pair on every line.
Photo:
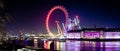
[73,35]
[112,35]
[92,34]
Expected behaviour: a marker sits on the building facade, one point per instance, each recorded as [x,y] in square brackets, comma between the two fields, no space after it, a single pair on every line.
[94,33]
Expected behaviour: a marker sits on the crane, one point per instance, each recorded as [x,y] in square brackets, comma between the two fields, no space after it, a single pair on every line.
[58,27]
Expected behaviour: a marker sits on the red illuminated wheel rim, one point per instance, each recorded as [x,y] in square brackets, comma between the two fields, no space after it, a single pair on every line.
[48,17]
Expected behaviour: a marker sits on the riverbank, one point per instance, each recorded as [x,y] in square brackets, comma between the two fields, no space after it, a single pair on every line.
[14,47]
[9,47]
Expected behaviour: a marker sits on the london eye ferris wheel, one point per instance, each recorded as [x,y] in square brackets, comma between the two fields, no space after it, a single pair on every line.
[57,22]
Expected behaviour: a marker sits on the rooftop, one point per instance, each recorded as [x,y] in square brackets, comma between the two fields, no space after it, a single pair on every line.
[97,29]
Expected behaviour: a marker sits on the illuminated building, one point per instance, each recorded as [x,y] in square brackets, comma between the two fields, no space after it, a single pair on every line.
[94,33]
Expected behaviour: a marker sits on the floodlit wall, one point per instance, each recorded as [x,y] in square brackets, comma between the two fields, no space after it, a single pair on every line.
[112,35]
[92,34]
[73,35]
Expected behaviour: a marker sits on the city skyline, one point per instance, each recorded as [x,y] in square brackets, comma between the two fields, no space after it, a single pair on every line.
[30,15]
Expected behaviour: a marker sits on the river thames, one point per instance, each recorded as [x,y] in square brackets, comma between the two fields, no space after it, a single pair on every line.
[87,46]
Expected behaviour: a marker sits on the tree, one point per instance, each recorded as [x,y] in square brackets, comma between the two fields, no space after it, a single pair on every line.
[4,19]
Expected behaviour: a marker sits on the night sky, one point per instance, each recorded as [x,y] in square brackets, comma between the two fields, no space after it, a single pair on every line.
[30,15]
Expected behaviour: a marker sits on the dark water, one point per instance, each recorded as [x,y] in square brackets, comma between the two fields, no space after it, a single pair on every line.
[74,45]
[86,46]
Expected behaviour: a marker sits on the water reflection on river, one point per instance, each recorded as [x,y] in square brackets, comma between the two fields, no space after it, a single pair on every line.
[85,46]
[73,45]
